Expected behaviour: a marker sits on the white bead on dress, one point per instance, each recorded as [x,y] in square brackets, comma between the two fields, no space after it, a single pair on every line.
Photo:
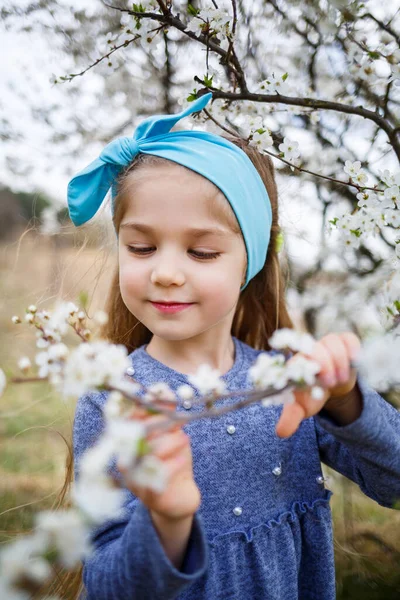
[277,470]
[321,479]
[237,511]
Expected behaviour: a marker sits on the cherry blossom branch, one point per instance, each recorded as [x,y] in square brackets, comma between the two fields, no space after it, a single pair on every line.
[71,76]
[390,131]
[382,25]
[349,183]
[169,19]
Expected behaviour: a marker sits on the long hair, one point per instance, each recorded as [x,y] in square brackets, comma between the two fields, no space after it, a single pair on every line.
[261,308]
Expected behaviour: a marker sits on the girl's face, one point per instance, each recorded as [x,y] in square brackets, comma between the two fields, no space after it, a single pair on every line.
[165,256]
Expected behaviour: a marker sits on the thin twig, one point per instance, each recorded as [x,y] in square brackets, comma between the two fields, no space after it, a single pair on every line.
[348,183]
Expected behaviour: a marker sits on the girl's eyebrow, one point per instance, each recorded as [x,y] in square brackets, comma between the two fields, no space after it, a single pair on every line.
[194,231]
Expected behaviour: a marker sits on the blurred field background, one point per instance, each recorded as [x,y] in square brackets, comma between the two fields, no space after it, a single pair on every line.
[38,269]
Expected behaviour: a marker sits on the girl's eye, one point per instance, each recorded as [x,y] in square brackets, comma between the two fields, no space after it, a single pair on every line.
[196,253]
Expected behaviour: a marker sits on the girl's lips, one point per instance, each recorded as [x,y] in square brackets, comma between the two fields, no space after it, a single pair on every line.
[171,308]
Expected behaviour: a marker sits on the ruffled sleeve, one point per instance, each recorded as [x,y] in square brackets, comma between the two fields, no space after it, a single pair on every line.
[366,451]
[128,559]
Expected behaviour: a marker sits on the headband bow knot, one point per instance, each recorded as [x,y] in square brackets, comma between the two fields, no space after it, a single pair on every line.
[121,151]
[210,155]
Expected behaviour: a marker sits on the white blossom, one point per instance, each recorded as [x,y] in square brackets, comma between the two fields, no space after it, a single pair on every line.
[100,317]
[389,178]
[268,371]
[317,393]
[352,168]
[151,473]
[295,340]
[126,436]
[113,406]
[67,532]
[392,217]
[207,380]
[3,382]
[51,361]
[159,391]
[218,20]
[274,84]
[24,364]
[284,397]
[290,149]
[98,499]
[367,198]
[93,463]
[393,194]
[302,370]
[378,361]
[185,392]
[21,559]
[92,365]
[262,140]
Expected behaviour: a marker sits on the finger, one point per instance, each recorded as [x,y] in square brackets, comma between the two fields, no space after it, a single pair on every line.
[173,467]
[290,419]
[352,343]
[339,356]
[167,445]
[327,373]
[141,414]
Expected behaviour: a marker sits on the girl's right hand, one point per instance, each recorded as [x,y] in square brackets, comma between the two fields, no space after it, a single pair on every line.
[181,497]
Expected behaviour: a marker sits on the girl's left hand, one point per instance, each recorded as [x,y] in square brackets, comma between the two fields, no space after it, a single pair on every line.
[334,353]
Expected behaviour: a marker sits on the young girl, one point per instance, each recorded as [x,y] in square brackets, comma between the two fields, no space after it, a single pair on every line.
[245,514]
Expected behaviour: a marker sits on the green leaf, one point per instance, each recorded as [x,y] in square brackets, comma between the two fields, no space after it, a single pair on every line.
[334,221]
[285,76]
[83,298]
[356,232]
[374,55]
[51,554]
[138,8]
[279,242]
[397,304]
[208,80]
[192,10]
[192,96]
[143,447]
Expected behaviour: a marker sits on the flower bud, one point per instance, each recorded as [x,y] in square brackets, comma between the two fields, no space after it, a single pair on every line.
[24,364]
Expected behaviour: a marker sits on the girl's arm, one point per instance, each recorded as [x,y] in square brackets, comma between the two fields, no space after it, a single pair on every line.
[174,536]
[367,451]
[130,559]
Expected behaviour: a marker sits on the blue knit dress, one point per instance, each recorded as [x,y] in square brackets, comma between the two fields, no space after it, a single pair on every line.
[264,527]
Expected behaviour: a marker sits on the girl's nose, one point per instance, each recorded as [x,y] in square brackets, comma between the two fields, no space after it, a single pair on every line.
[166,272]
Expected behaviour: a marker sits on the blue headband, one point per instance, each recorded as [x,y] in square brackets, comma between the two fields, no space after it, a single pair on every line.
[210,155]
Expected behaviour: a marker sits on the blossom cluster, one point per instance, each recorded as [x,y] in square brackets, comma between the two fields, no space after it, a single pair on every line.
[64,536]
[377,209]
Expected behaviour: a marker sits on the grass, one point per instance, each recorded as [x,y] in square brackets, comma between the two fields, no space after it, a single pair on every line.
[34,420]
